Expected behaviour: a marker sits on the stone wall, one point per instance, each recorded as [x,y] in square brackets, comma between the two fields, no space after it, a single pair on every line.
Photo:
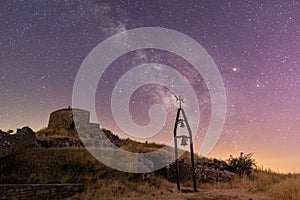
[38,191]
[9,143]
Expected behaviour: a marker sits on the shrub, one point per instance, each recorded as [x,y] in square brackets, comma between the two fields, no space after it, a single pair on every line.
[244,164]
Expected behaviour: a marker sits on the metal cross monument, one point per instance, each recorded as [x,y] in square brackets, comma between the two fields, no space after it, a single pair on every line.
[183,123]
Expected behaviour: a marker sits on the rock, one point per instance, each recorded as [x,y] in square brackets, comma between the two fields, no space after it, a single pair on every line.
[59,142]
[9,143]
[150,177]
[206,171]
[24,137]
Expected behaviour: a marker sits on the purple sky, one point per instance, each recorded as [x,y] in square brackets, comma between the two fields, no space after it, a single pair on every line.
[255,45]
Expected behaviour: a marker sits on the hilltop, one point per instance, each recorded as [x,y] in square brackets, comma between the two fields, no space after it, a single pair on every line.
[74,164]
[56,154]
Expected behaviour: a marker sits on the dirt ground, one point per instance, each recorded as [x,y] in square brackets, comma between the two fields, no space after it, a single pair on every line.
[203,194]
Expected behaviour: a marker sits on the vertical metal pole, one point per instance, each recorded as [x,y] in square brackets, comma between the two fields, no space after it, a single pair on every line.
[193,167]
[176,150]
[177,165]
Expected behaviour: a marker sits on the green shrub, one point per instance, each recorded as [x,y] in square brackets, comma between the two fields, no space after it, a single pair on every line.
[242,165]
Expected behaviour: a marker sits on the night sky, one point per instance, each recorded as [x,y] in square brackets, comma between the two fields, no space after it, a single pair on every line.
[255,45]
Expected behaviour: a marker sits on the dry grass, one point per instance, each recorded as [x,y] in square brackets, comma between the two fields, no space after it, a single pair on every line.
[128,189]
[259,181]
[54,165]
[58,132]
[65,165]
[261,184]
[287,189]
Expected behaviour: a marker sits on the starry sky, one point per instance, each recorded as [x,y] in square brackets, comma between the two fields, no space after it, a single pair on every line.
[255,45]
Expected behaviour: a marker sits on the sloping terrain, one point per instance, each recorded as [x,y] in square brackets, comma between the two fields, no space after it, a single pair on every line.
[74,164]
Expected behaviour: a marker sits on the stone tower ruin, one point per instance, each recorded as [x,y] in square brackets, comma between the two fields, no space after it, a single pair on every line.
[71,118]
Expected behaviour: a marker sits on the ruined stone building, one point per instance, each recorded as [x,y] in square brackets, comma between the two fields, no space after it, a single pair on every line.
[71,118]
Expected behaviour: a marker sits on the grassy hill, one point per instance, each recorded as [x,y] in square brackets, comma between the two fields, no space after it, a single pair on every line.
[76,165]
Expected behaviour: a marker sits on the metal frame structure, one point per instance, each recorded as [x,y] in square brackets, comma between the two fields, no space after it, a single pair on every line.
[184,139]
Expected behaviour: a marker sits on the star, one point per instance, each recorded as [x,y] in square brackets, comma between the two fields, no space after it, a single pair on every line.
[255,47]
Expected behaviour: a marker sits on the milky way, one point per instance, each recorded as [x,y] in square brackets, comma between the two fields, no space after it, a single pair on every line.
[255,45]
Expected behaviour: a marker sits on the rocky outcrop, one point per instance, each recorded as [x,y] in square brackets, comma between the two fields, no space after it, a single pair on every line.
[9,143]
[213,171]
[59,142]
[205,170]
[92,138]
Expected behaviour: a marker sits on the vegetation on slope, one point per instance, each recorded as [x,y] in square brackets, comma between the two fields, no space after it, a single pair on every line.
[76,165]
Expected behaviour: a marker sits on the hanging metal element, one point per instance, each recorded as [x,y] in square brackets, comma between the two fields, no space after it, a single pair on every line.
[182,124]
[184,139]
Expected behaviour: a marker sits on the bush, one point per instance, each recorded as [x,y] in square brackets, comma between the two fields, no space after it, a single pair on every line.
[244,164]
